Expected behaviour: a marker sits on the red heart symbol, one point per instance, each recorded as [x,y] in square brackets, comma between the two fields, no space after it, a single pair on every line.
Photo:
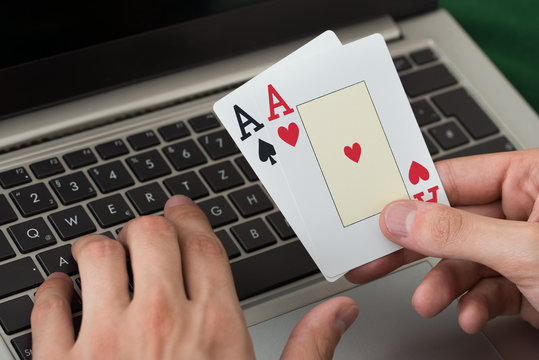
[417,171]
[353,153]
[289,135]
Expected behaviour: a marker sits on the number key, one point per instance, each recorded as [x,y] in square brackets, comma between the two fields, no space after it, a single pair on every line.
[184,155]
[218,144]
[72,188]
[148,165]
[111,176]
[33,199]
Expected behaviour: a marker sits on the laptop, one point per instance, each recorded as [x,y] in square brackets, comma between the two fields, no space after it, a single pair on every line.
[109,107]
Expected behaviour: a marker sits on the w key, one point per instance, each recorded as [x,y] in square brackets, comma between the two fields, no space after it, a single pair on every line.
[72,223]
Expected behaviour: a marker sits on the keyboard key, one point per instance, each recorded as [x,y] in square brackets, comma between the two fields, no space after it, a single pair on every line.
[108,234]
[401,63]
[112,149]
[143,140]
[253,235]
[174,131]
[246,168]
[251,200]
[492,146]
[280,225]
[271,269]
[31,235]
[430,145]
[204,122]
[17,276]
[111,176]
[46,168]
[423,56]
[23,346]
[148,199]
[184,155]
[72,223]
[426,80]
[188,184]
[72,188]
[58,259]
[459,104]
[111,210]
[222,176]
[218,144]
[218,211]
[33,199]
[14,177]
[15,314]
[424,113]
[80,158]
[231,249]
[448,135]
[148,165]
[7,214]
[6,251]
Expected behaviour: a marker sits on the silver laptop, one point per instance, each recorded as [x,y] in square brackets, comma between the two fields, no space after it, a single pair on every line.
[106,112]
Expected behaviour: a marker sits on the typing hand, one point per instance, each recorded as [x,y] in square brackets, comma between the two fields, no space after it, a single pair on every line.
[490,241]
[184,303]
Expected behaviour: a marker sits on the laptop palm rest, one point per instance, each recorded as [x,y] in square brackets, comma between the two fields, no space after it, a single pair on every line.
[387,326]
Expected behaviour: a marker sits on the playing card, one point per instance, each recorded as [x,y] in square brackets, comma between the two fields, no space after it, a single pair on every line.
[239,114]
[348,143]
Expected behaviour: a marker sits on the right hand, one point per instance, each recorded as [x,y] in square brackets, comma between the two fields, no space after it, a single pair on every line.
[490,240]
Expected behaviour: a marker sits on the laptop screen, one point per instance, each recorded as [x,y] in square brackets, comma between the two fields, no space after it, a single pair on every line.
[54,52]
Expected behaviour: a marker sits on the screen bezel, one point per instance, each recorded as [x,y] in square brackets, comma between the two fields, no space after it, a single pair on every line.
[106,66]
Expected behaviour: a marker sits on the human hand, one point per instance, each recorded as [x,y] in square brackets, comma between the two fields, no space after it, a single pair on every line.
[490,240]
[184,303]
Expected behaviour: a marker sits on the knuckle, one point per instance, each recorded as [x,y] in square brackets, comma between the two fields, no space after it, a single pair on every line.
[205,244]
[47,307]
[150,224]
[101,248]
[446,226]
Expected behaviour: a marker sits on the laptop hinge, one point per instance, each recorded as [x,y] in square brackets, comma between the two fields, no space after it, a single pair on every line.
[384,25]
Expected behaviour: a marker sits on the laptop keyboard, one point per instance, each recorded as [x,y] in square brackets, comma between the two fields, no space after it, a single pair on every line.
[47,204]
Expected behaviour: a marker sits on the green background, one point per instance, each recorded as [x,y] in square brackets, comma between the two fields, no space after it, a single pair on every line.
[508,32]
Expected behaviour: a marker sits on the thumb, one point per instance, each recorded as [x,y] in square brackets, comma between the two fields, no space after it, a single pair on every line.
[319,331]
[441,231]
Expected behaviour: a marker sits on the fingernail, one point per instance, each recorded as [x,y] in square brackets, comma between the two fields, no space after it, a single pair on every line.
[59,275]
[399,218]
[345,317]
[178,200]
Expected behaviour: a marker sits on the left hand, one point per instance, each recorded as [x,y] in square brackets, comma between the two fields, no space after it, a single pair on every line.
[184,303]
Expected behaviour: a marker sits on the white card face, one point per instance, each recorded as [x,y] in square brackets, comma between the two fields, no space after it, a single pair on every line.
[240,103]
[348,142]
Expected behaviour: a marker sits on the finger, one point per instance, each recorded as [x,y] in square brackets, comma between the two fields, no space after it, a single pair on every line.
[494,209]
[319,331]
[103,274]
[51,318]
[205,263]
[438,230]
[382,266]
[489,298]
[155,257]
[482,184]
[445,282]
